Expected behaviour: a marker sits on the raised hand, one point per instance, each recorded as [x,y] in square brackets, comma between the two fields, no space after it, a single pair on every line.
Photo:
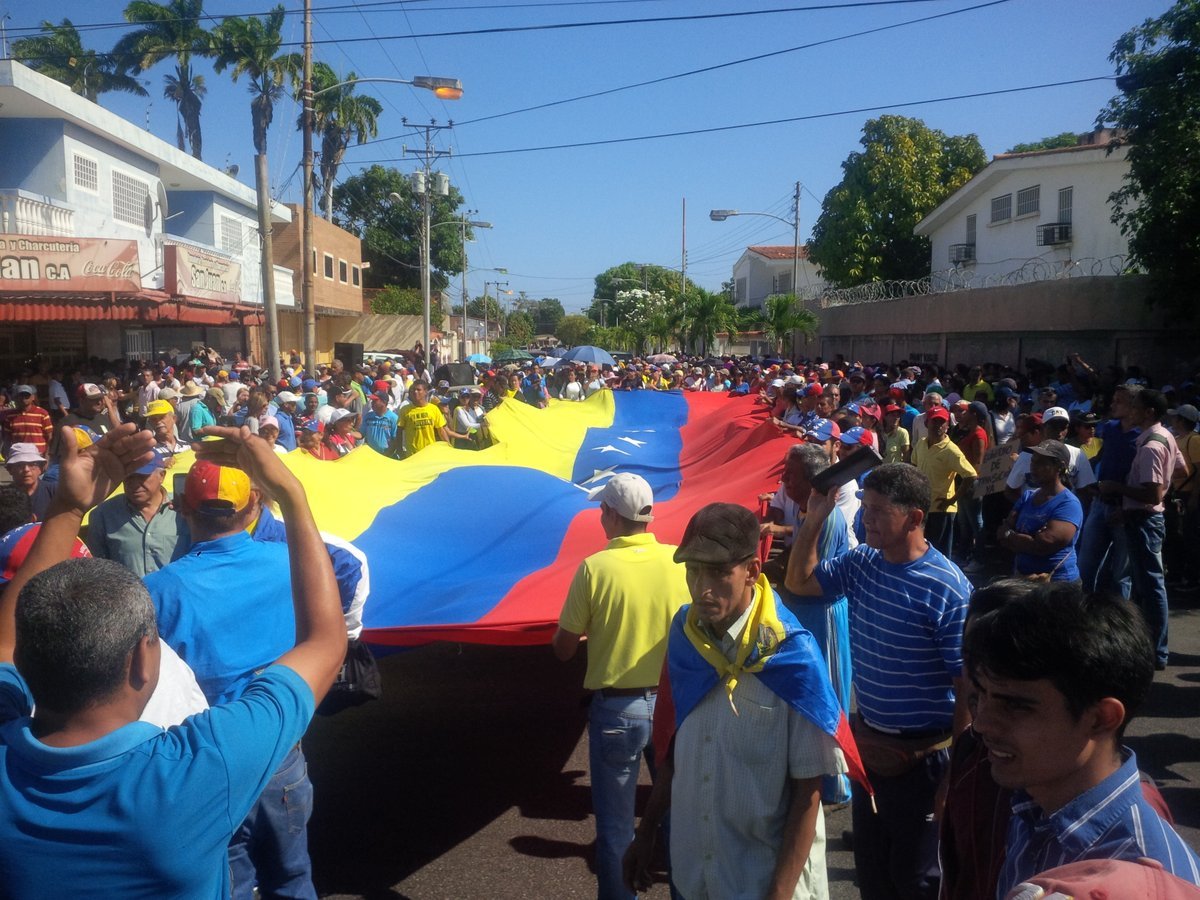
[239,448]
[88,475]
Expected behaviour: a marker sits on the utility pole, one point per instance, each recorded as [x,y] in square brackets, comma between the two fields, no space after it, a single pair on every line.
[307,300]
[425,188]
[796,243]
[683,257]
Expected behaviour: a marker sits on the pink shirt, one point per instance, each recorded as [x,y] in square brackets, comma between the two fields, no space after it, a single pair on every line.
[1154,463]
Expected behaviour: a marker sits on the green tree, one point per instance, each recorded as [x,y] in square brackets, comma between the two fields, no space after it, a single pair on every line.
[59,53]
[168,30]
[339,117]
[1065,139]
[707,314]
[574,330]
[905,169]
[476,307]
[630,275]
[1158,206]
[397,301]
[547,313]
[519,328]
[782,316]
[391,230]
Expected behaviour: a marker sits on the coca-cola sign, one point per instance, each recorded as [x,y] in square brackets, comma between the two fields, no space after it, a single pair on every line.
[196,272]
[38,263]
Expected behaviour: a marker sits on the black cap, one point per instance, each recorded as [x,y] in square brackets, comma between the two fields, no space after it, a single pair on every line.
[1087,418]
[719,534]
[1053,450]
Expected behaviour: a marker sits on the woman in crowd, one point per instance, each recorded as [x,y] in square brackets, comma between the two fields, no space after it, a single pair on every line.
[1043,527]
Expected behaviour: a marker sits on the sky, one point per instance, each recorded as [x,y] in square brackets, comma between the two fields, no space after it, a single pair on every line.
[563,214]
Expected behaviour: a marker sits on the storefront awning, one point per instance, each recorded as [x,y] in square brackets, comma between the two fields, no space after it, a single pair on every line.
[144,306]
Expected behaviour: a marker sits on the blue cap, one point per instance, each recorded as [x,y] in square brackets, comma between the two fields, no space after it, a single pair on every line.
[158,462]
[822,430]
[854,436]
[295,381]
[854,408]
[309,384]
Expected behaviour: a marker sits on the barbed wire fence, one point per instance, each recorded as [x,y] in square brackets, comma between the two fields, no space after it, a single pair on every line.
[964,278]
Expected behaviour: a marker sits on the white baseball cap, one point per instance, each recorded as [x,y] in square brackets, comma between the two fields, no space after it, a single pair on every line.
[286,397]
[1055,412]
[628,495]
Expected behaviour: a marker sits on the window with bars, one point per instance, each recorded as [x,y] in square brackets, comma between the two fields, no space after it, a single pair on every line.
[231,235]
[343,271]
[1029,200]
[87,174]
[356,276]
[129,199]
[970,229]
[1066,198]
[328,266]
[1001,208]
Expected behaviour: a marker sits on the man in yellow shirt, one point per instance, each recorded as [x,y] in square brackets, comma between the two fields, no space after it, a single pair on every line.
[623,598]
[940,460]
[422,422]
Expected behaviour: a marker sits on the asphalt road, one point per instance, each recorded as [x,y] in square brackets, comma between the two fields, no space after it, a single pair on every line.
[469,779]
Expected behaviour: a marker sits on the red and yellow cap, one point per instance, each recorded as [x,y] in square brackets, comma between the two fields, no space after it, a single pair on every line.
[216,490]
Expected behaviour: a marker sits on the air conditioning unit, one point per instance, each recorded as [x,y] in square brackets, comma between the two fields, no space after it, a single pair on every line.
[1055,233]
[962,253]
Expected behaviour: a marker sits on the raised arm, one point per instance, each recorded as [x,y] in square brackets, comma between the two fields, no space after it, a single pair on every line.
[85,478]
[801,579]
[320,627]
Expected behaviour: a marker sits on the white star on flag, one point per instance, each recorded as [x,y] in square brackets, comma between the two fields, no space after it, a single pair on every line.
[609,448]
[630,440]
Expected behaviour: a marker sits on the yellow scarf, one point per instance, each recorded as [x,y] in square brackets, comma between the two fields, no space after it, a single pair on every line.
[758,641]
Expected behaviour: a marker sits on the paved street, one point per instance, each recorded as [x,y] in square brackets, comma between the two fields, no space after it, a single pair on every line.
[470,778]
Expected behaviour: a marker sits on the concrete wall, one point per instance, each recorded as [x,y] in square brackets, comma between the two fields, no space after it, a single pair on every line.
[1106,320]
[374,332]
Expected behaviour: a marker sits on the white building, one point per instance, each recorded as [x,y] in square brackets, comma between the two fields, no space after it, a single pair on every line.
[113,242]
[1031,216]
[761,272]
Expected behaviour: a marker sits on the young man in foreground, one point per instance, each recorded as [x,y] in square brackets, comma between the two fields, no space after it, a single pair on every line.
[91,800]
[1058,674]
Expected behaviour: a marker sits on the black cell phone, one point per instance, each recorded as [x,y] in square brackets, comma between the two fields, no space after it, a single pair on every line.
[846,470]
[178,481]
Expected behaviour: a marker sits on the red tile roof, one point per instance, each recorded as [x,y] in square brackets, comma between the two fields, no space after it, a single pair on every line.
[786,251]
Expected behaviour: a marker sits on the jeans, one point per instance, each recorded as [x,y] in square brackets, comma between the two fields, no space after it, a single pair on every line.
[619,730]
[1102,552]
[1145,534]
[271,845]
[895,850]
[939,531]
[970,525]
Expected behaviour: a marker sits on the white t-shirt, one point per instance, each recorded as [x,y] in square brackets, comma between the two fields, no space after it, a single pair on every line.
[1079,470]
[177,695]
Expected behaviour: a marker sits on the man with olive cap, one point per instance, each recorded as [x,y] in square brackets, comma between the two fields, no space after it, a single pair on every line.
[756,725]
[623,598]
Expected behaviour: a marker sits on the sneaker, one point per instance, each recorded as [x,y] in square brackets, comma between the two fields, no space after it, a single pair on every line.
[974,567]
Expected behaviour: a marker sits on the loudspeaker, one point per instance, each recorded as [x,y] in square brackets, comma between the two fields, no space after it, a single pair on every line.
[351,355]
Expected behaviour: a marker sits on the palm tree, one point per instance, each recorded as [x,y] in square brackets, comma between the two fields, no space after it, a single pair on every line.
[707,314]
[339,116]
[782,316]
[251,47]
[170,30]
[59,53]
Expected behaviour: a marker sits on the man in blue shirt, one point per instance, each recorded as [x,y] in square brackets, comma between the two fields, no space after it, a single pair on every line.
[379,425]
[1058,675]
[908,603]
[285,406]
[91,800]
[221,608]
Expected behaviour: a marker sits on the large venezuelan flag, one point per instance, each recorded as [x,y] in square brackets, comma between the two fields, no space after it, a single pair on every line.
[481,546]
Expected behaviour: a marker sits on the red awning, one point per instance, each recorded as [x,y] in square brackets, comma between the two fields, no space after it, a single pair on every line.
[144,306]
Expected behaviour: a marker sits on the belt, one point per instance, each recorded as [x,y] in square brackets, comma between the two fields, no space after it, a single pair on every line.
[627,692]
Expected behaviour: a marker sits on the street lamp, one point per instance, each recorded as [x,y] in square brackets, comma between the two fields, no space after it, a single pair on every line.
[444,88]
[498,302]
[720,215]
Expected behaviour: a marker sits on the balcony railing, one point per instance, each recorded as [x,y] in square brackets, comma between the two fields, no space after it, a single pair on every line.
[1054,233]
[25,213]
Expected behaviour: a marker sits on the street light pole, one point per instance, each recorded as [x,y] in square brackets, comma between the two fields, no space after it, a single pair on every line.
[445,89]
[720,215]
[428,157]
[307,300]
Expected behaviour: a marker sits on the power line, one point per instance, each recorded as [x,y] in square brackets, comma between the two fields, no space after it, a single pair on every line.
[789,120]
[730,63]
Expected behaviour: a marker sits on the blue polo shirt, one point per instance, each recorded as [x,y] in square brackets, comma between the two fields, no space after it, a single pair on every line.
[142,812]
[226,609]
[379,431]
[906,626]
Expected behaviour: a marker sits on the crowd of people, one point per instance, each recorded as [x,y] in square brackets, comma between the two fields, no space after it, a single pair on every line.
[856,662]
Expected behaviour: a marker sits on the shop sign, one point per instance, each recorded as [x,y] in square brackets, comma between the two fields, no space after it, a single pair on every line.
[196,272]
[39,263]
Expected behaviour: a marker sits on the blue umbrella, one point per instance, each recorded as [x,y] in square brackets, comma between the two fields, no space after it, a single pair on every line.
[549,362]
[559,352]
[590,354]
[479,358]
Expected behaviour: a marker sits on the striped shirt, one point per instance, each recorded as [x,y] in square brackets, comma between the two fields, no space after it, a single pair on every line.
[906,625]
[1109,821]
[29,426]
